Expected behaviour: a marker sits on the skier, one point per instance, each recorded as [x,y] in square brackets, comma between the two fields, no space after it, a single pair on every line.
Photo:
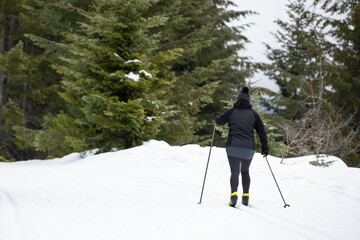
[240,145]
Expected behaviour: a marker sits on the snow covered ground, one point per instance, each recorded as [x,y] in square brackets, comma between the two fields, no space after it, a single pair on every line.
[152,192]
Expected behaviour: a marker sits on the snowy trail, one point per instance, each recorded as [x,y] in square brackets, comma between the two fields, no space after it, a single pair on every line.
[10,225]
[152,192]
[299,229]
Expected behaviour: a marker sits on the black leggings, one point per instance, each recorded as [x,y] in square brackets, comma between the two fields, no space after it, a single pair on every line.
[238,165]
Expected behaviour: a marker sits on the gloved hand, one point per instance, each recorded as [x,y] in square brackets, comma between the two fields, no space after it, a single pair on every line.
[216,115]
[264,152]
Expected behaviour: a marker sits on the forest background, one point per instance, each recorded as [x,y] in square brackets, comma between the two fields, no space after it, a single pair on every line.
[110,74]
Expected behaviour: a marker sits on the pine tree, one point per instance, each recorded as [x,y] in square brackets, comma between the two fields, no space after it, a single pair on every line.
[178,50]
[208,68]
[112,88]
[295,65]
[10,34]
[306,73]
[345,29]
[31,83]
[342,21]
[182,81]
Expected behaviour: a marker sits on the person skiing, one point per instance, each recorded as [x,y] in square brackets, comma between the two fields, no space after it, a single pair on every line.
[240,144]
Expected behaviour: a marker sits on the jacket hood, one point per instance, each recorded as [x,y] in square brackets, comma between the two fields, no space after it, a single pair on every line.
[242,104]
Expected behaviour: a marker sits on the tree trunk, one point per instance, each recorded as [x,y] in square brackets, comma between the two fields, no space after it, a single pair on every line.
[8,26]
[2,81]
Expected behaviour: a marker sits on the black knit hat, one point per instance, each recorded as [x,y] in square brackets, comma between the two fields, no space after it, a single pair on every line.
[244,94]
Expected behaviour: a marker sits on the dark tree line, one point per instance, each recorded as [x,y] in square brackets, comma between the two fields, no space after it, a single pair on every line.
[111,74]
[78,75]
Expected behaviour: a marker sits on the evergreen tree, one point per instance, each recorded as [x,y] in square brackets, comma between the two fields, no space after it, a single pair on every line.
[113,89]
[129,71]
[10,34]
[296,65]
[186,80]
[208,69]
[346,51]
[342,21]
[30,83]
[306,70]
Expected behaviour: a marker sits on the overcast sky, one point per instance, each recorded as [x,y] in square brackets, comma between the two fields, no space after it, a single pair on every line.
[260,32]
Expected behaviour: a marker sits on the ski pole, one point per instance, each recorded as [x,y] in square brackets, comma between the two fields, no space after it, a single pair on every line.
[286,205]
[207,165]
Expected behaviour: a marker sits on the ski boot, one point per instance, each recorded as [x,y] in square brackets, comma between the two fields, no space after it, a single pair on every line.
[245,199]
[233,199]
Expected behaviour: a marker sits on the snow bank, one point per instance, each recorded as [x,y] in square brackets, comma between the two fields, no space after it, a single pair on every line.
[152,191]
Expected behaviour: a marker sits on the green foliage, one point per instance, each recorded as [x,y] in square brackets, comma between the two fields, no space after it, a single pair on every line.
[2,159]
[109,79]
[59,136]
[317,78]
[321,163]
[72,73]
[346,53]
[53,139]
[294,65]
[25,76]
[191,91]
[80,51]
[9,27]
[208,68]
[11,116]
[29,89]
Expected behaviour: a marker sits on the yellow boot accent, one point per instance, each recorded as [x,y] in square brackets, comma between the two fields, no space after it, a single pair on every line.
[245,195]
[231,203]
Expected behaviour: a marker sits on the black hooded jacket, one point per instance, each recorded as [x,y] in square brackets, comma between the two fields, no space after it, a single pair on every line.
[242,121]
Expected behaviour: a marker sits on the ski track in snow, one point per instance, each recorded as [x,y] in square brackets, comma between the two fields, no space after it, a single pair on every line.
[295,227]
[300,230]
[152,192]
[10,225]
